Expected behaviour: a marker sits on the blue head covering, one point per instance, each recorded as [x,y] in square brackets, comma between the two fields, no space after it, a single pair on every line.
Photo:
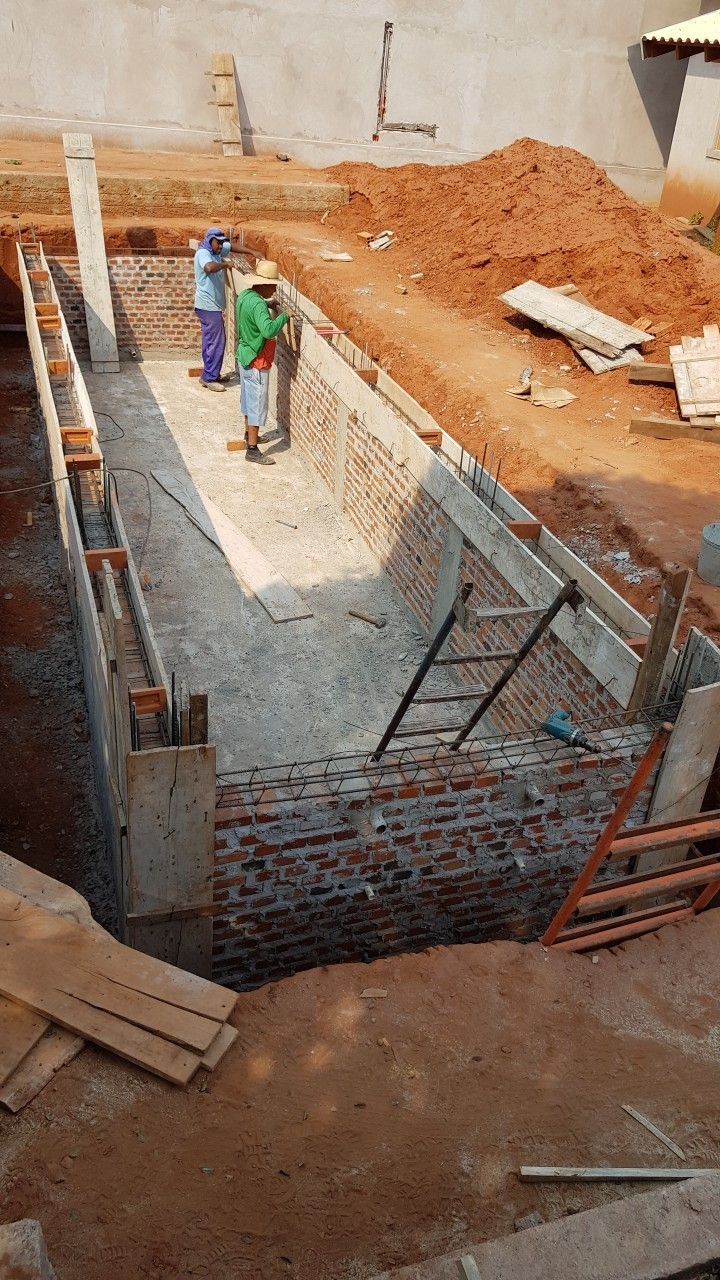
[214,233]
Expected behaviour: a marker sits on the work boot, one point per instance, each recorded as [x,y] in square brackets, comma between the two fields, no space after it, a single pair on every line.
[211,386]
[260,439]
[253,454]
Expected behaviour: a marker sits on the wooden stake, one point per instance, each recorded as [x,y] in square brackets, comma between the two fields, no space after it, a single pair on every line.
[663,632]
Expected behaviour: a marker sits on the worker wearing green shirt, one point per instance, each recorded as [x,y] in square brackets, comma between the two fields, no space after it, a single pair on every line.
[256,333]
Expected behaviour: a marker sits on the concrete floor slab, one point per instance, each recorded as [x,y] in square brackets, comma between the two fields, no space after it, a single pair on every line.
[278,691]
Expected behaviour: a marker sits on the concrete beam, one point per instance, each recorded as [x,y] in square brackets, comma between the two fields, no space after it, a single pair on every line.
[87,220]
[663,1234]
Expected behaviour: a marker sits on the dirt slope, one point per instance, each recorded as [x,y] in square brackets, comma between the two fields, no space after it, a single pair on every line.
[344,1135]
[533,211]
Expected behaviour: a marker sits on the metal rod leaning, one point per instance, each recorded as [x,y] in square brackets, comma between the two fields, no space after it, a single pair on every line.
[569,594]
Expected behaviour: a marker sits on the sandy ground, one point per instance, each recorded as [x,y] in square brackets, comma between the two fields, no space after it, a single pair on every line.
[343,1135]
[46,157]
[48,812]
[284,691]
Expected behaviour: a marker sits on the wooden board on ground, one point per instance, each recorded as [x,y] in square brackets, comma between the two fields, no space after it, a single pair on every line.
[575,320]
[662,373]
[248,564]
[696,367]
[54,1049]
[604,364]
[672,429]
[559,1173]
[20,1030]
[101,954]
[225,1037]
[28,983]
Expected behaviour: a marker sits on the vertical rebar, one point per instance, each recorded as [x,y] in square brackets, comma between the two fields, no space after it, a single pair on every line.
[497,477]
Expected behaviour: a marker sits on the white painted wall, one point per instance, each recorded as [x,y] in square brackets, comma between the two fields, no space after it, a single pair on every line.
[485,71]
[692,184]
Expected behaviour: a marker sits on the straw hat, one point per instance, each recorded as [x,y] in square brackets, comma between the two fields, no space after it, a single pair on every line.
[265,273]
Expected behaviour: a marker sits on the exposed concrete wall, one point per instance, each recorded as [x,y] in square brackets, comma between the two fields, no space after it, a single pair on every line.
[692,184]
[568,73]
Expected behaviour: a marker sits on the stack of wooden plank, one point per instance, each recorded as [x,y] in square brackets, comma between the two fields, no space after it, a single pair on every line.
[602,342]
[62,983]
[694,371]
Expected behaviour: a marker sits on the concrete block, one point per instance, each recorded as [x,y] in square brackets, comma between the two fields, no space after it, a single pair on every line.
[23,1255]
[655,1236]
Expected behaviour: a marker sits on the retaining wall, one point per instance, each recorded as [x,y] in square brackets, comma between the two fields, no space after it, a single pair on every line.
[442,860]
[152,297]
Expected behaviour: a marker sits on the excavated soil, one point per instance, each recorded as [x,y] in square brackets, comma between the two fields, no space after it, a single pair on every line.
[532,211]
[343,1135]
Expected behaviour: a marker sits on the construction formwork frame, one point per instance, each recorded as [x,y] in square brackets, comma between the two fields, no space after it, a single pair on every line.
[158,800]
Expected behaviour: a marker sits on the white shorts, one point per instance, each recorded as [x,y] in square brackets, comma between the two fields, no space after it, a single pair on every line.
[254,389]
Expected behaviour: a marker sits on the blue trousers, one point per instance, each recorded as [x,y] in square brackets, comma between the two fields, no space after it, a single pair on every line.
[212,330]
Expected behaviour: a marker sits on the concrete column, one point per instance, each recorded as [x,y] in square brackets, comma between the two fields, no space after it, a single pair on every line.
[448,576]
[87,220]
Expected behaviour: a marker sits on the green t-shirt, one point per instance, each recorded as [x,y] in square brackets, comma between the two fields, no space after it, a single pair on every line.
[254,325]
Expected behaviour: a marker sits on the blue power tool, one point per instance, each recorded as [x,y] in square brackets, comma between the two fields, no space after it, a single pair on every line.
[559,725]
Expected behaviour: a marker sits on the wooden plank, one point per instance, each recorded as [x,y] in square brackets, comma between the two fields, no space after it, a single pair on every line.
[87,221]
[170,852]
[29,984]
[116,557]
[526,530]
[662,373]
[696,367]
[101,954]
[686,769]
[249,566]
[648,1124]
[179,1025]
[585,325]
[559,1173]
[663,632]
[20,1030]
[671,429]
[198,718]
[605,364]
[83,461]
[225,1038]
[226,100]
[150,701]
[54,1049]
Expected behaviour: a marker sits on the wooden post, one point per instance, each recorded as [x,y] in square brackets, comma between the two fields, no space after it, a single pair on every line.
[664,629]
[198,718]
[87,220]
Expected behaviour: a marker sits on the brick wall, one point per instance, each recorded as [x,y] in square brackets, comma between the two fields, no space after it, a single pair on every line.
[152,298]
[463,859]
[405,527]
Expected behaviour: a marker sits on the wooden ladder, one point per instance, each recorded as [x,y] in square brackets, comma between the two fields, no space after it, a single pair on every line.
[676,881]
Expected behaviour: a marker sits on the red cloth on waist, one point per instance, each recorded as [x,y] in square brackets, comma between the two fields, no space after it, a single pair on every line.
[265,358]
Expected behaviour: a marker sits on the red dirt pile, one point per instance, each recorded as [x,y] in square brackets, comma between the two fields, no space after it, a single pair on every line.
[532,211]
